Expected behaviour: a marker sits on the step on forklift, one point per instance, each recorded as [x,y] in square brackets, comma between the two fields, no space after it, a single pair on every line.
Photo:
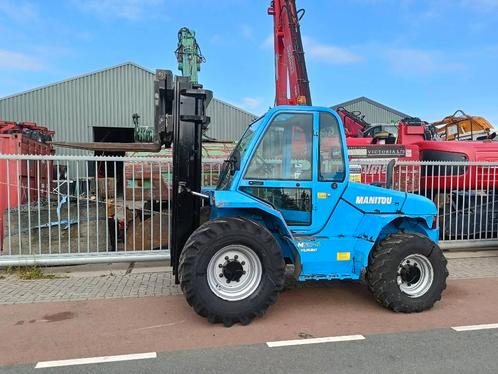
[284,198]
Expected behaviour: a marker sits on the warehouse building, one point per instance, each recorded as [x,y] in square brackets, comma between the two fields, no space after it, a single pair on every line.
[99,106]
[373,111]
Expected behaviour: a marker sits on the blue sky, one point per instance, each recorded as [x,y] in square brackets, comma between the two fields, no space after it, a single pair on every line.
[425,58]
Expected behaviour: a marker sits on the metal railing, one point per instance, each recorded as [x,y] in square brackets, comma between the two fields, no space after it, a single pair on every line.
[465,194]
[59,210]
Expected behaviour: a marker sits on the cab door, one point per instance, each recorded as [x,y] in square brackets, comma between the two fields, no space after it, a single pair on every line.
[284,169]
[331,174]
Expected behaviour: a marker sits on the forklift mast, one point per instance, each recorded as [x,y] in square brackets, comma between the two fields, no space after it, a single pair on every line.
[180,119]
[291,77]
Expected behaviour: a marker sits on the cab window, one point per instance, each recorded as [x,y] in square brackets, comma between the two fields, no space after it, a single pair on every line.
[285,152]
[331,166]
[293,203]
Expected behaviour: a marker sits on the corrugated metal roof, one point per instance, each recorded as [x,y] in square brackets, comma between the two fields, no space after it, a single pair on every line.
[373,111]
[106,98]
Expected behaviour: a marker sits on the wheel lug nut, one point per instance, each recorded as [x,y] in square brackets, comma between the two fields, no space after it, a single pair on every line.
[220,266]
[226,258]
[243,263]
[228,280]
[235,257]
[221,275]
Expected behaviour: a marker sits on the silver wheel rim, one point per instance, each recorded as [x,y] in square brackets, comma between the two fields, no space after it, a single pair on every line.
[415,275]
[239,260]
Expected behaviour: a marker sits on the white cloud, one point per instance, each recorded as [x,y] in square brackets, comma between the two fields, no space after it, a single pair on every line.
[481,5]
[328,53]
[252,102]
[411,61]
[247,31]
[268,42]
[128,9]
[18,11]
[216,39]
[11,60]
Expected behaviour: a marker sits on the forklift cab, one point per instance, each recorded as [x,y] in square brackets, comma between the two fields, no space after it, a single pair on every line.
[293,159]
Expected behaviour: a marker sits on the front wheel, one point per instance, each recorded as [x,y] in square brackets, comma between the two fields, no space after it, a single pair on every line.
[231,270]
[407,272]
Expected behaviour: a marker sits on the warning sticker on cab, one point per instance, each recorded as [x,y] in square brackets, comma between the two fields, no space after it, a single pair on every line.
[343,256]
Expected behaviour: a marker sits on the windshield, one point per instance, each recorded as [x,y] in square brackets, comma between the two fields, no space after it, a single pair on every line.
[239,151]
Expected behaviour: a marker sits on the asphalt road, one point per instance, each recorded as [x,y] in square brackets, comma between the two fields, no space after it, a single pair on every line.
[31,334]
[437,351]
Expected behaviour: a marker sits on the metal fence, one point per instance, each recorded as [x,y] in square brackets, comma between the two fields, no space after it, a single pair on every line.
[465,194]
[81,209]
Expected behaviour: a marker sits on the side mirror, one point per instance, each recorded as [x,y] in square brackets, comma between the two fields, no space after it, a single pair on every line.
[235,160]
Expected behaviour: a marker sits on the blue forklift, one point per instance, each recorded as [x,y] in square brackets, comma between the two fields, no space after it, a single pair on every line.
[284,201]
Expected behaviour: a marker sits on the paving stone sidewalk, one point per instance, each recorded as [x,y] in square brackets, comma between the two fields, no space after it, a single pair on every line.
[16,291]
[142,284]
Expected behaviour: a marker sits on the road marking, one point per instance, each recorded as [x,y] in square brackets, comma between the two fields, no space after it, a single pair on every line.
[95,360]
[476,327]
[330,339]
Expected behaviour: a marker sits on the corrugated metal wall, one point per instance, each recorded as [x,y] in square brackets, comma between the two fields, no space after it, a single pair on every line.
[106,98]
[373,114]
[227,121]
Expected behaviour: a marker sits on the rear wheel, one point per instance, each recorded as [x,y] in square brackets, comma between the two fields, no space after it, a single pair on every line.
[407,272]
[231,270]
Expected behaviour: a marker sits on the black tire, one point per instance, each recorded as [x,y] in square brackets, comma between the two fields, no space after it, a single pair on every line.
[384,263]
[204,243]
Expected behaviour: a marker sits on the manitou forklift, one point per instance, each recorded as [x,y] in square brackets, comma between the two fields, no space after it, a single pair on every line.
[284,198]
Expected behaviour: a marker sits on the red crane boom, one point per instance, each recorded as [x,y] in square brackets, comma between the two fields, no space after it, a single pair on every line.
[291,77]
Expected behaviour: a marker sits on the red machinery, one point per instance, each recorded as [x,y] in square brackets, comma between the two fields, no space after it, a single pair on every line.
[30,129]
[291,77]
[23,181]
[354,124]
[413,143]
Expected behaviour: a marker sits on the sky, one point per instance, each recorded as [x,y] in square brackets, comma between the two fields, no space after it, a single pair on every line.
[423,58]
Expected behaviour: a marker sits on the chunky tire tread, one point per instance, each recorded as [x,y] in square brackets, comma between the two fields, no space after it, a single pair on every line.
[203,243]
[383,264]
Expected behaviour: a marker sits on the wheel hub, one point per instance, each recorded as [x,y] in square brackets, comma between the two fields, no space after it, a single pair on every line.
[410,274]
[415,275]
[234,272]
